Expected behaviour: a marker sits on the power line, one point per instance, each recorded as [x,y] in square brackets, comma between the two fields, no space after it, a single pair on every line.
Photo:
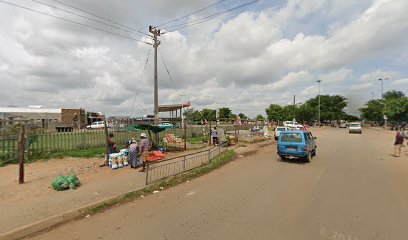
[140,80]
[92,19]
[95,15]
[190,14]
[168,72]
[74,22]
[207,18]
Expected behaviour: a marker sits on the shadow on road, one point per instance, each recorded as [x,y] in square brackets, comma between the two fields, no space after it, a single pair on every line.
[292,161]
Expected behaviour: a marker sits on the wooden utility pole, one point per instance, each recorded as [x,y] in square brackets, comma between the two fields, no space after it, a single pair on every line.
[156,34]
[21,147]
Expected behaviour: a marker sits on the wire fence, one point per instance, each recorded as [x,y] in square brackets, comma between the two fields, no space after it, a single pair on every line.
[40,142]
[159,170]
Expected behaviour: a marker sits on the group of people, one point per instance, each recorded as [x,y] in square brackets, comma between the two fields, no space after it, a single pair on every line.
[399,142]
[137,152]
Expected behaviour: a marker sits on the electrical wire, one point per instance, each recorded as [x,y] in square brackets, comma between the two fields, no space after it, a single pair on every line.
[92,19]
[207,18]
[140,81]
[95,15]
[171,78]
[74,22]
[190,14]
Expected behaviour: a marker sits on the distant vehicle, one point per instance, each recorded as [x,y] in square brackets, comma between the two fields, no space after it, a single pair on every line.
[293,125]
[278,130]
[166,125]
[96,125]
[299,144]
[355,127]
[342,125]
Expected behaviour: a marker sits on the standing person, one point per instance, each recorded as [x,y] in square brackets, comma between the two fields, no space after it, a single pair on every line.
[134,154]
[144,147]
[399,140]
[214,135]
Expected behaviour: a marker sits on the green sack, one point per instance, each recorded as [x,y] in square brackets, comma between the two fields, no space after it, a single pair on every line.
[60,183]
[73,181]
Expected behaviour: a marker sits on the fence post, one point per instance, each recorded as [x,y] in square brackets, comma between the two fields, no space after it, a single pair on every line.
[147,172]
[184,164]
[21,154]
[209,155]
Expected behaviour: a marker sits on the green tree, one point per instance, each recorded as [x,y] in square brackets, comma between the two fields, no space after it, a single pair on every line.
[260,118]
[393,95]
[331,107]
[397,109]
[305,113]
[225,112]
[275,112]
[242,116]
[208,114]
[373,110]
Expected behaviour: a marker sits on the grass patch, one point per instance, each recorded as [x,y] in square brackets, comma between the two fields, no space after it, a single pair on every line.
[83,153]
[197,140]
[217,162]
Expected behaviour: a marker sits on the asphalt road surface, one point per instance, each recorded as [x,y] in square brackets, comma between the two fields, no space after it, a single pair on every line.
[353,190]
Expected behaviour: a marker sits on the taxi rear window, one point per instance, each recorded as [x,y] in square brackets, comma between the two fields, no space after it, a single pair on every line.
[292,137]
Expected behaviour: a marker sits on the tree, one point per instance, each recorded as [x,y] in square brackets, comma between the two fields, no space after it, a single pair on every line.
[242,116]
[260,118]
[393,95]
[225,112]
[331,107]
[373,110]
[305,113]
[274,112]
[208,114]
[397,109]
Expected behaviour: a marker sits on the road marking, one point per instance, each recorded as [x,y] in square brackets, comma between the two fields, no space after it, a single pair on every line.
[189,194]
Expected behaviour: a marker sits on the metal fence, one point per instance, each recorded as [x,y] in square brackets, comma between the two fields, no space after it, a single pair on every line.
[40,142]
[173,166]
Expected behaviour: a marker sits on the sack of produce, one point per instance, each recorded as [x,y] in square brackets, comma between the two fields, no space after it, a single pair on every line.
[73,181]
[60,183]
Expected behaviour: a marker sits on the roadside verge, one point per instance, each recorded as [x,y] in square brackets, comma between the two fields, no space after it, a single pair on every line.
[103,205]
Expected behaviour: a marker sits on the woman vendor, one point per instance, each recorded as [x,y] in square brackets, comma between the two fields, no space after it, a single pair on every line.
[134,154]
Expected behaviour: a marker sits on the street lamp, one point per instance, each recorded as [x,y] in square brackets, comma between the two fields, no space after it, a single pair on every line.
[385,103]
[318,113]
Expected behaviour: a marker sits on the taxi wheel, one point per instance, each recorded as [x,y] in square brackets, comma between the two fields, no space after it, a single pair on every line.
[308,158]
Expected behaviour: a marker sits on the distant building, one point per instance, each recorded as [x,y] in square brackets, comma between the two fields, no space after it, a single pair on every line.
[42,117]
[51,119]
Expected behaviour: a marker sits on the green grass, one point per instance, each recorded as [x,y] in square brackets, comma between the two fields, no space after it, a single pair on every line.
[197,140]
[217,162]
[83,153]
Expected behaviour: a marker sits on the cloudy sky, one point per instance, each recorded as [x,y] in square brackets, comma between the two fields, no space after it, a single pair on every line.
[245,59]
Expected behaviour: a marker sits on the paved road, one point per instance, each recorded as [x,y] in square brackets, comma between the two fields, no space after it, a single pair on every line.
[353,190]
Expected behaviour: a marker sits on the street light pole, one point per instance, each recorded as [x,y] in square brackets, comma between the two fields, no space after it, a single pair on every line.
[318,113]
[382,97]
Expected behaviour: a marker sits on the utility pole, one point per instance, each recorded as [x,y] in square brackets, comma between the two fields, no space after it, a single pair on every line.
[156,34]
[382,97]
[318,113]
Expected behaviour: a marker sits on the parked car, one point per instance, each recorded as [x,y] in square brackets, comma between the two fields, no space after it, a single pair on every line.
[278,130]
[96,125]
[292,125]
[166,125]
[355,127]
[299,144]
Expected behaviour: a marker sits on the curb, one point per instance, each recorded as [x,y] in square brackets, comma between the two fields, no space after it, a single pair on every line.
[53,221]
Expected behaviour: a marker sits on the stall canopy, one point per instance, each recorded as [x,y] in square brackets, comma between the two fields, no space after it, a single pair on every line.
[154,129]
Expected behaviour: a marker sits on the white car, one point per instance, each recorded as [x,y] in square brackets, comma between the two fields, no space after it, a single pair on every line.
[96,125]
[278,130]
[293,125]
[355,127]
